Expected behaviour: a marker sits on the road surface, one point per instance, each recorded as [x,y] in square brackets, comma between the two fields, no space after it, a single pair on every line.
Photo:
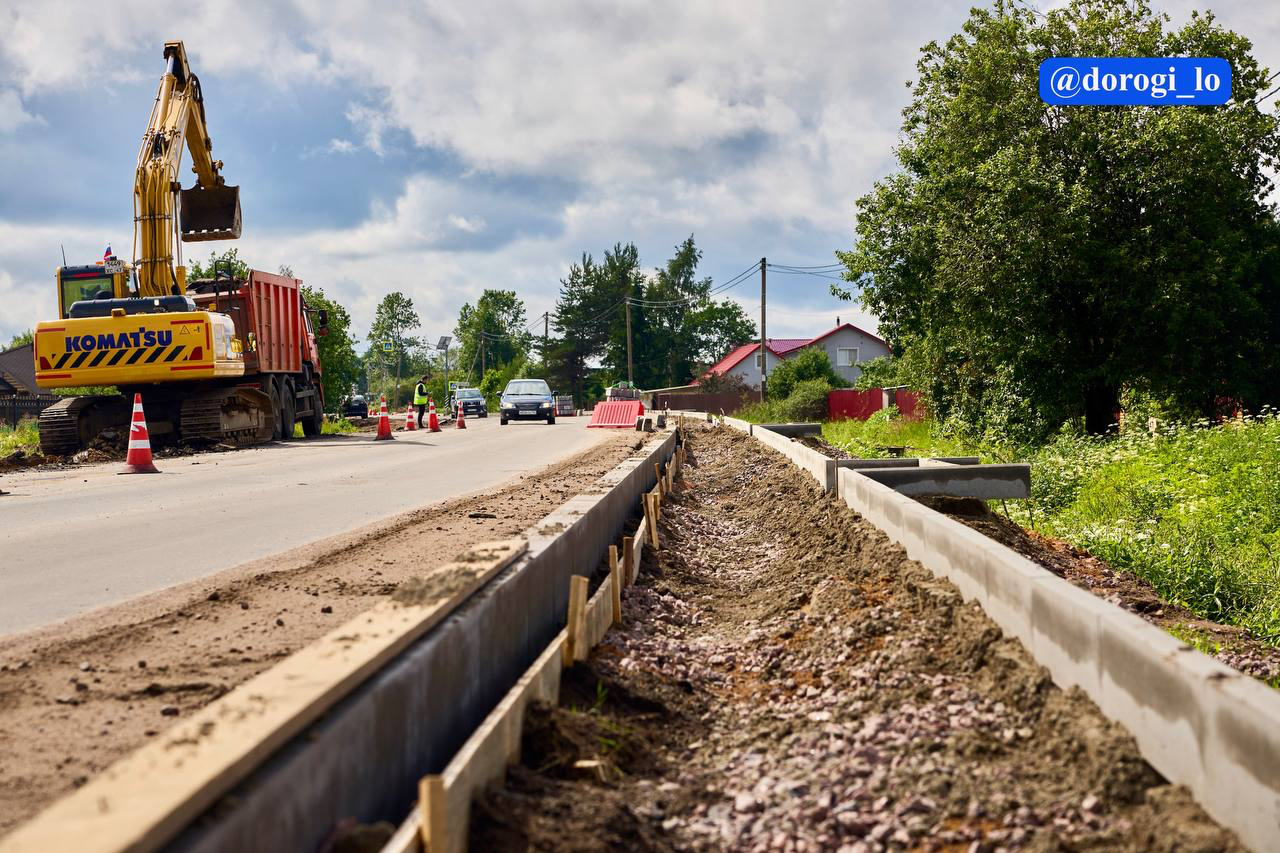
[86,537]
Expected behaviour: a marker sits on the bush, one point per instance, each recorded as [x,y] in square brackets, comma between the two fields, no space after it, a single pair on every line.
[808,402]
[810,363]
[882,372]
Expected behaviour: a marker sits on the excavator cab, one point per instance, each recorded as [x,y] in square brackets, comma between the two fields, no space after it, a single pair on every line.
[211,213]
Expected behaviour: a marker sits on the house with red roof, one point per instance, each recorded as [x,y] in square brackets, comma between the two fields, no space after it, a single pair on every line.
[846,347]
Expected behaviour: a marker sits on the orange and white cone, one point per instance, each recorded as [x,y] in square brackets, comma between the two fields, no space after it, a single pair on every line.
[460,418]
[138,460]
[433,422]
[409,423]
[384,423]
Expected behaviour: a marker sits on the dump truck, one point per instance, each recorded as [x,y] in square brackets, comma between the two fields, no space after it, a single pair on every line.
[232,358]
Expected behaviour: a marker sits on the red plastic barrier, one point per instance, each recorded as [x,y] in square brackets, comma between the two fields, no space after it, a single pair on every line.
[858,405]
[616,414]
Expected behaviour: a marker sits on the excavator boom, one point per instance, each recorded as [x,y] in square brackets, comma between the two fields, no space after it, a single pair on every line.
[163,211]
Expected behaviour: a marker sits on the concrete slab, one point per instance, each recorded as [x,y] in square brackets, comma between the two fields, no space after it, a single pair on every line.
[793,430]
[986,482]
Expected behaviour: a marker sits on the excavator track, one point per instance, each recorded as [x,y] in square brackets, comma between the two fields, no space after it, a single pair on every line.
[70,424]
[238,416]
[60,426]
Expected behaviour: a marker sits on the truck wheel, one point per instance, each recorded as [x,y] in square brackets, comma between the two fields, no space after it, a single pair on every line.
[288,405]
[273,391]
[313,424]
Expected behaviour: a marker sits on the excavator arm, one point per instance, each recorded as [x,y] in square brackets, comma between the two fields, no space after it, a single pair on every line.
[163,210]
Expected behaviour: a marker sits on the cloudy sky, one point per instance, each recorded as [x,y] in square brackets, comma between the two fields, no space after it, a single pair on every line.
[439,148]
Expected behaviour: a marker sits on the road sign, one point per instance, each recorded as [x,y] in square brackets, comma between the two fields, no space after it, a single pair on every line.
[387,346]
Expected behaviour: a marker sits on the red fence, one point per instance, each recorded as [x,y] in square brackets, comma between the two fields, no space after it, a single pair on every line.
[854,405]
[848,404]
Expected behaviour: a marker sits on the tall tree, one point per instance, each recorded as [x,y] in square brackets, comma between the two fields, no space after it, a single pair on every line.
[340,366]
[497,323]
[686,326]
[1043,258]
[393,321]
[578,329]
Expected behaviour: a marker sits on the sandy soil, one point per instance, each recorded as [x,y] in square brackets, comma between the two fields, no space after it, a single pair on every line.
[784,678]
[76,696]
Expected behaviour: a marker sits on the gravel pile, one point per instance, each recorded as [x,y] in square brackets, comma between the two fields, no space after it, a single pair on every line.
[785,679]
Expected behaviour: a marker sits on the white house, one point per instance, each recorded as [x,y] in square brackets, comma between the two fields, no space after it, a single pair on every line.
[846,347]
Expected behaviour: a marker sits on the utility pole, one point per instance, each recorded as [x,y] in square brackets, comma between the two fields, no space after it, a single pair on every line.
[764,263]
[483,355]
[546,327]
[630,378]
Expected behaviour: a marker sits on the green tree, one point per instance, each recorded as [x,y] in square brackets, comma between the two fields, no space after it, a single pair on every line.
[393,321]
[1040,259]
[223,262]
[682,325]
[811,363]
[22,339]
[340,366]
[496,324]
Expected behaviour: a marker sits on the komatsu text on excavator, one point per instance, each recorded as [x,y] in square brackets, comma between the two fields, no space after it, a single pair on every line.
[223,359]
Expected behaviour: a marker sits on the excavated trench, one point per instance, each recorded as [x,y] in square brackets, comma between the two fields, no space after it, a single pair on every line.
[784,678]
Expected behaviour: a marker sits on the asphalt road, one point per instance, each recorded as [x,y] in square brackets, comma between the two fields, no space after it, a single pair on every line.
[86,537]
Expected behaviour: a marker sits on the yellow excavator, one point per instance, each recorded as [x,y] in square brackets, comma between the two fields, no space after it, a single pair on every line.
[223,359]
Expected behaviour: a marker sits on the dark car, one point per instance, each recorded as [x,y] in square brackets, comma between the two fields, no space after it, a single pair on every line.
[472,402]
[355,407]
[527,399]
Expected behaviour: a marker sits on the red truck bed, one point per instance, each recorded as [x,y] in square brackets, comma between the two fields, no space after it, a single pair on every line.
[269,306]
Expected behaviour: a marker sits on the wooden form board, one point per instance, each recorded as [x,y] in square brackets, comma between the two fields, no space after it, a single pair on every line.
[483,759]
[146,798]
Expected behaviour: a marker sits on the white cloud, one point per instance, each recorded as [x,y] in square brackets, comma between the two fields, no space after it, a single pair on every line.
[12,113]
[753,124]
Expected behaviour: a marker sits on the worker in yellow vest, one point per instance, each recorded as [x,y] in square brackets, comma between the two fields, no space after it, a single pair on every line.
[420,399]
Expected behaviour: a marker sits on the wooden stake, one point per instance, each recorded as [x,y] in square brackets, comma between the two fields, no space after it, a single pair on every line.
[616,577]
[628,559]
[657,470]
[433,814]
[651,513]
[671,477]
[578,617]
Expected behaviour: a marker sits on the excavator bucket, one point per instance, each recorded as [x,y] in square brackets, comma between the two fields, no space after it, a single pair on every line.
[210,213]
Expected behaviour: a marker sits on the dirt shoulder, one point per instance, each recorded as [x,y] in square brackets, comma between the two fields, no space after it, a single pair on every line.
[784,678]
[76,696]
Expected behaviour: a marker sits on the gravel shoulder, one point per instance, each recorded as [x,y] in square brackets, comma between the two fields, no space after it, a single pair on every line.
[784,678]
[76,696]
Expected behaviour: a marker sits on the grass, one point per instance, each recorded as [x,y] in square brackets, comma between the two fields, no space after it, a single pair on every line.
[1193,509]
[331,426]
[25,437]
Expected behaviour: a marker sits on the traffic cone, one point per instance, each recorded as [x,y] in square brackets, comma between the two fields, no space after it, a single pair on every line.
[138,461]
[384,423]
[433,422]
[460,415]
[409,423]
